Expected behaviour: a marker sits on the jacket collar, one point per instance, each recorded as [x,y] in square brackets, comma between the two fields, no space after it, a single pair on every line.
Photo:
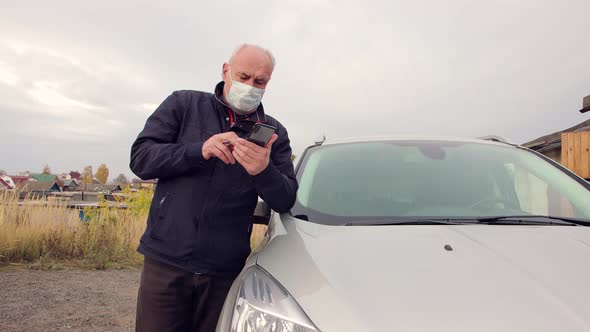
[257,115]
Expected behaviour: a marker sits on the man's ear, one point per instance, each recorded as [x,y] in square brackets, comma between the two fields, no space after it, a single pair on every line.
[224,71]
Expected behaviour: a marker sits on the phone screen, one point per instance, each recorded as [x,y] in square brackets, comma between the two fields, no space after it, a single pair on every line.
[261,134]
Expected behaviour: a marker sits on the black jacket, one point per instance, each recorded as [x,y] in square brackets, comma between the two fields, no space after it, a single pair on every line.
[201,216]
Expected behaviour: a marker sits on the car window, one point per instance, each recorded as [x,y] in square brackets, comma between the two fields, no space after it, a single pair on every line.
[537,196]
[374,180]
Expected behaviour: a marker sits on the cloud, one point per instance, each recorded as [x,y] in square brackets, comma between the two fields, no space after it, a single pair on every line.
[22,48]
[69,89]
[146,108]
[347,68]
[48,94]
[7,75]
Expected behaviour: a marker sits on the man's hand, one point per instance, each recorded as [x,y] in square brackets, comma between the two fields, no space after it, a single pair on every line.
[252,157]
[220,146]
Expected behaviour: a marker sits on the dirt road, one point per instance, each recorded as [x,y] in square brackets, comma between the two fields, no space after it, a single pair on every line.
[68,300]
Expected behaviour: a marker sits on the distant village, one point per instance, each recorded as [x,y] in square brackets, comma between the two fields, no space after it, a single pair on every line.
[72,187]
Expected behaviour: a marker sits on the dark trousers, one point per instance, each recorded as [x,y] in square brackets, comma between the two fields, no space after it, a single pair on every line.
[171,299]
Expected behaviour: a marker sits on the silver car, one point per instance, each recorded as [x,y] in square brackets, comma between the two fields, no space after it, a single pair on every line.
[415,234]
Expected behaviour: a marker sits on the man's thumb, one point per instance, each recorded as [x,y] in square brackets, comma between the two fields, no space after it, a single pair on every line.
[273,139]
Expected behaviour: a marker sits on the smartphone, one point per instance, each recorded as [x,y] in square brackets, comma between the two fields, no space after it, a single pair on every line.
[261,134]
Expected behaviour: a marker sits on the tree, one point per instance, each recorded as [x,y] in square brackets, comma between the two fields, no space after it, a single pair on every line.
[46,169]
[75,175]
[2,172]
[87,174]
[121,179]
[102,173]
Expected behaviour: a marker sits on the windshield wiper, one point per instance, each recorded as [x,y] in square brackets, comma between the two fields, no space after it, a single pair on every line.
[499,220]
[421,221]
[534,220]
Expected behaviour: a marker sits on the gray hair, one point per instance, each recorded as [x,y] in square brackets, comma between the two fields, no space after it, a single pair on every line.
[245,45]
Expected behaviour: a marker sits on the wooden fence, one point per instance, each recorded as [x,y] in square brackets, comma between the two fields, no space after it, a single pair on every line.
[575,152]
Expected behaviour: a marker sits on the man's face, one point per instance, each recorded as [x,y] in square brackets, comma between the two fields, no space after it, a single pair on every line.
[250,66]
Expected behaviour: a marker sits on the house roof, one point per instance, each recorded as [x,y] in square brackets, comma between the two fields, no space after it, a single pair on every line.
[64,176]
[4,184]
[152,181]
[39,186]
[114,187]
[44,177]
[94,187]
[551,141]
[75,175]
[17,179]
[70,183]
[585,105]
[91,187]
[7,182]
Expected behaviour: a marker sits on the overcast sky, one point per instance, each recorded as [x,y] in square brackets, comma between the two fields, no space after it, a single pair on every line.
[77,81]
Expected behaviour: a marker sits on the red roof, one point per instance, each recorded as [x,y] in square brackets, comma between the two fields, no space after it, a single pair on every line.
[17,179]
[75,175]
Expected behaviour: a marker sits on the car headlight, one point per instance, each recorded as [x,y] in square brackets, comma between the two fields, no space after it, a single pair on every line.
[265,306]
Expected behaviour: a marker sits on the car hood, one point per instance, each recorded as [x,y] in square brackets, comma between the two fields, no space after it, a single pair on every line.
[402,278]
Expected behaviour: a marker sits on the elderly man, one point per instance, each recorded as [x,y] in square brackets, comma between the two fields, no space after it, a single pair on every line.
[209,179]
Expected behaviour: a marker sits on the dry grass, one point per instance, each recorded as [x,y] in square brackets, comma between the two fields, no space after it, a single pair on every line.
[48,235]
[42,233]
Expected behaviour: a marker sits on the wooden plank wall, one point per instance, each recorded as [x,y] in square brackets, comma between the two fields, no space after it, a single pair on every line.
[575,152]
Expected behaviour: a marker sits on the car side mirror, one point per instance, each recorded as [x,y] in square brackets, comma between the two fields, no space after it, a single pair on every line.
[261,213]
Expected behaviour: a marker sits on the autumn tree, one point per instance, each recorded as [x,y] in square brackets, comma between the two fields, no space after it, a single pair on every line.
[87,174]
[121,179]
[46,169]
[102,173]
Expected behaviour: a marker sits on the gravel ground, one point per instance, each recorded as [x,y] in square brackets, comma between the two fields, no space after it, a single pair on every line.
[68,300]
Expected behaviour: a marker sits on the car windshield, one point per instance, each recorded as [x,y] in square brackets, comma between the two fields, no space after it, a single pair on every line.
[384,180]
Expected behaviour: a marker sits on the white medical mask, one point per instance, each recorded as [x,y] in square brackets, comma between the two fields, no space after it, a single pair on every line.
[243,98]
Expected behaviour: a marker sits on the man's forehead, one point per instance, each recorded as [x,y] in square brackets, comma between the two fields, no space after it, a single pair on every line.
[252,60]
